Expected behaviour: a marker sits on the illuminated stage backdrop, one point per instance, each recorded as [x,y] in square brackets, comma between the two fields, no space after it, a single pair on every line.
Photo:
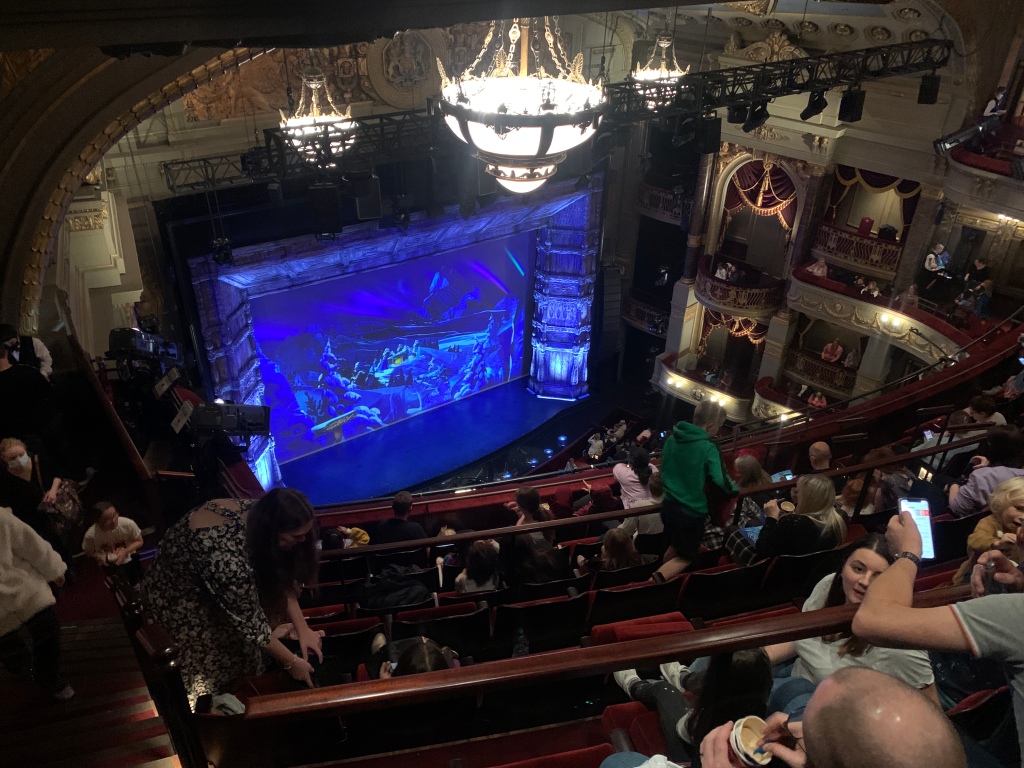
[343,337]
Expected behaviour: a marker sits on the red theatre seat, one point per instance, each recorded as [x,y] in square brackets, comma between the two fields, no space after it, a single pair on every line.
[641,725]
[639,629]
[588,757]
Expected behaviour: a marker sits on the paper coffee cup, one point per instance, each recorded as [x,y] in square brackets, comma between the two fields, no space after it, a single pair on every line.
[744,739]
[787,506]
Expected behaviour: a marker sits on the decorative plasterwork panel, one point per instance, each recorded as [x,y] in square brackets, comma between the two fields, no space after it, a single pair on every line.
[984,191]
[763,408]
[777,47]
[15,66]
[754,7]
[922,342]
[676,384]
[84,220]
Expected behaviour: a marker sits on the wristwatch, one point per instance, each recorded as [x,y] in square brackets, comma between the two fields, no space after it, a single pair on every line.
[909,556]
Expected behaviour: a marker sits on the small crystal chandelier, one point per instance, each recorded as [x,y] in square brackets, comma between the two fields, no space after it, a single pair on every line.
[318,132]
[667,68]
[521,122]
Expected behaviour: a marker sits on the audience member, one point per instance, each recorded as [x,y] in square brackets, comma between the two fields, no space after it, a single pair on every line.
[727,687]
[750,474]
[819,268]
[595,446]
[224,573]
[820,457]
[983,410]
[818,657]
[857,718]
[907,298]
[956,419]
[987,627]
[832,352]
[28,565]
[852,361]
[977,272]
[892,483]
[399,527]
[817,399]
[997,104]
[690,460]
[482,572]
[813,526]
[846,501]
[634,477]
[999,530]
[722,272]
[532,561]
[28,350]
[1003,454]
[49,504]
[617,552]
[648,531]
[113,540]
[937,259]
[528,509]
[871,289]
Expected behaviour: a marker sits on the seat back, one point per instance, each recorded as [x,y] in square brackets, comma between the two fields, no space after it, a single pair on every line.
[633,601]
[558,588]
[363,613]
[793,576]
[586,550]
[342,569]
[463,627]
[492,597]
[346,644]
[714,595]
[950,536]
[325,614]
[620,576]
[549,624]
[406,557]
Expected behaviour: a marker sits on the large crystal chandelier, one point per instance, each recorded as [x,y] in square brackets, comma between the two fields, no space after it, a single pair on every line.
[520,118]
[318,131]
[667,67]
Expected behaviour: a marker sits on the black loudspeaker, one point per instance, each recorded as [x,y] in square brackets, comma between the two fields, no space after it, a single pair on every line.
[851,108]
[928,93]
[368,198]
[325,205]
[709,135]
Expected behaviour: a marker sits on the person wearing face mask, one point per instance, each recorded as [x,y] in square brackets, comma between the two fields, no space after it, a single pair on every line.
[225,574]
[48,504]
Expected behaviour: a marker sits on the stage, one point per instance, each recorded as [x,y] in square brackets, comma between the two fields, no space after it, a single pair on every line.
[416,450]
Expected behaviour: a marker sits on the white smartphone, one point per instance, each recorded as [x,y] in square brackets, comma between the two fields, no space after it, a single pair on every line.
[922,517]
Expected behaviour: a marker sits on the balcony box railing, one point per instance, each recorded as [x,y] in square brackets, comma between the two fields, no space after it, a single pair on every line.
[809,368]
[867,255]
[747,298]
[645,317]
[689,387]
[663,204]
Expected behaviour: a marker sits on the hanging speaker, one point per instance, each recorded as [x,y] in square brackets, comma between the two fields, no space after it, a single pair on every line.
[709,135]
[928,93]
[368,199]
[851,108]
[325,206]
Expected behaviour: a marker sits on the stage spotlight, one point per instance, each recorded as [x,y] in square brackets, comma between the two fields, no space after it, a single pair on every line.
[757,116]
[467,208]
[583,182]
[816,104]
[851,108]
[737,115]
[220,248]
[928,93]
[562,439]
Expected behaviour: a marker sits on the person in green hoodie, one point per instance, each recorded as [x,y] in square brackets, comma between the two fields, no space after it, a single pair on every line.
[689,460]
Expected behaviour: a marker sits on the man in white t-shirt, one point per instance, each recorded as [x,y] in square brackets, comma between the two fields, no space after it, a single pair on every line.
[112,539]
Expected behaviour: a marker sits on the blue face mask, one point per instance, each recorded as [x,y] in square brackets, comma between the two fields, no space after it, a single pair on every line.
[20,462]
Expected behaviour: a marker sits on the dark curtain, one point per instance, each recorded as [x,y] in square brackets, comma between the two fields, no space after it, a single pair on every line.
[907,190]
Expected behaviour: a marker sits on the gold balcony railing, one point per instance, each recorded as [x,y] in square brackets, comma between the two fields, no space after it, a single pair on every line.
[663,204]
[739,299]
[811,369]
[868,255]
[645,317]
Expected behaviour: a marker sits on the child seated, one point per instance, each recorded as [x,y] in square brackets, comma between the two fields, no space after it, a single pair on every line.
[112,540]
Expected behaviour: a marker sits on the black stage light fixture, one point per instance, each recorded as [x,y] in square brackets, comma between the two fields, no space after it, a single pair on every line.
[685,132]
[851,108]
[709,135]
[928,93]
[220,248]
[757,116]
[816,104]
[737,115]
[944,144]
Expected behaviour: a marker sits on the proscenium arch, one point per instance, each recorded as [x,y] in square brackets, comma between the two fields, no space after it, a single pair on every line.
[66,114]
[722,185]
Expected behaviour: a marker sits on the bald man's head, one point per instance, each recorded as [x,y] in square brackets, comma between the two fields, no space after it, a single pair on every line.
[859,718]
[820,455]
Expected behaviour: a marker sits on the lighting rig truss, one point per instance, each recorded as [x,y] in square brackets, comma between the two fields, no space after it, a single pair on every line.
[382,139]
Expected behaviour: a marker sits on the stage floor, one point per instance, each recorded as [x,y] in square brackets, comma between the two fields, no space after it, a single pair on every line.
[419,449]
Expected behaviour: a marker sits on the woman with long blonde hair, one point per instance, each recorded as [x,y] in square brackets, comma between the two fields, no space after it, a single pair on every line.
[813,526]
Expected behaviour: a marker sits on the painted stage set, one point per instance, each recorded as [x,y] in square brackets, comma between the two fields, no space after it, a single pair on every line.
[389,358]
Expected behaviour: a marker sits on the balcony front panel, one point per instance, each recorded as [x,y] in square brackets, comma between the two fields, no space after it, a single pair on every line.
[736,299]
[810,369]
[686,387]
[769,404]
[864,255]
[663,204]
[984,183]
[645,317]
[923,335]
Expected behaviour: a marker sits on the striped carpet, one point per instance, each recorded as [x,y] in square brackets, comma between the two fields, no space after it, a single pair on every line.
[112,722]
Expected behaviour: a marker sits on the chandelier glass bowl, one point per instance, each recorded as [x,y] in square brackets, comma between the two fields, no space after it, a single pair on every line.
[521,125]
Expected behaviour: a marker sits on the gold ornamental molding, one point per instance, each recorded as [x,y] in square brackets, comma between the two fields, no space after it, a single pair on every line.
[87,220]
[777,47]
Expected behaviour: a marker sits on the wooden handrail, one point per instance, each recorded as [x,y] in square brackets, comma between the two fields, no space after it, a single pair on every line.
[560,665]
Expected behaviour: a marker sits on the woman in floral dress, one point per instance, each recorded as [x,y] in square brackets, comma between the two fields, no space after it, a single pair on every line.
[224,573]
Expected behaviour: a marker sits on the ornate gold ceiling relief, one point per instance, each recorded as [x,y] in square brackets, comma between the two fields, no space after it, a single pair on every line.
[756,7]
[15,66]
[777,47]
